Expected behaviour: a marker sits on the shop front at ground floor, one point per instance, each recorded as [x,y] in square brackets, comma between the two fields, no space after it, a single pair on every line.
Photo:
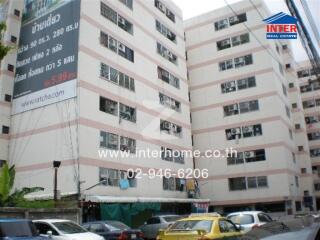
[135,211]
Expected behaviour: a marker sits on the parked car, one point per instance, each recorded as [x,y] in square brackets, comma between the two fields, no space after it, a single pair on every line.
[303,228]
[249,219]
[15,229]
[58,229]
[151,227]
[208,226]
[112,230]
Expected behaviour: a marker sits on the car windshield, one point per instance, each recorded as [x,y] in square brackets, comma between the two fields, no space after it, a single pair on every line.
[69,227]
[115,225]
[242,219]
[171,218]
[17,229]
[192,225]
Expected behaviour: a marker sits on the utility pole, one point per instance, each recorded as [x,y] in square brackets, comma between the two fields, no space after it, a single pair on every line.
[56,165]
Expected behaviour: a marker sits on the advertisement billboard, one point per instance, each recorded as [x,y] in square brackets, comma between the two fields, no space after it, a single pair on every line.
[46,69]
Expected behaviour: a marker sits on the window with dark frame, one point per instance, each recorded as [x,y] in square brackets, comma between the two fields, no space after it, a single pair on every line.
[5,129]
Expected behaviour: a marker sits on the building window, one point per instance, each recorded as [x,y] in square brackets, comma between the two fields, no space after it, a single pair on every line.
[247,156]
[240,84]
[225,23]
[291,85]
[305,73]
[303,170]
[5,130]
[252,131]
[165,31]
[13,39]
[294,105]
[314,136]
[116,46]
[169,102]
[165,10]
[235,159]
[284,47]
[243,61]
[297,126]
[127,112]
[233,41]
[10,68]
[245,131]
[109,140]
[311,103]
[237,19]
[170,128]
[114,17]
[312,119]
[170,155]
[128,3]
[241,39]
[174,184]
[300,148]
[243,107]
[108,106]
[113,177]
[249,106]
[312,86]
[230,110]
[236,62]
[257,182]
[7,98]
[244,183]
[168,77]
[16,12]
[315,152]
[246,83]
[164,52]
[127,144]
[238,183]
[288,66]
[225,65]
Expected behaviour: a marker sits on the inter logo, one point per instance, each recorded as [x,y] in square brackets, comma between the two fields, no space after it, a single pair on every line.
[281,26]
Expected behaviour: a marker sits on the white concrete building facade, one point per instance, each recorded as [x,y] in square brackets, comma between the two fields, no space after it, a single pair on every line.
[135,91]
[239,98]
[132,94]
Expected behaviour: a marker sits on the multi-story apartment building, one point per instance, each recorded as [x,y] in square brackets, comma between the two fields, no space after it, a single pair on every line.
[239,98]
[113,80]
[309,87]
[10,14]
[131,94]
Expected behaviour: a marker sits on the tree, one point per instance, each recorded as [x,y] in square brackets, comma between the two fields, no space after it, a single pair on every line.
[4,49]
[7,176]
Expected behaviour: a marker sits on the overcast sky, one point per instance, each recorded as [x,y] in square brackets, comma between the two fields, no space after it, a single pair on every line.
[193,8]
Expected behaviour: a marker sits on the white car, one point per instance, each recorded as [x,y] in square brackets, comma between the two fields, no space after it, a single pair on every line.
[58,229]
[249,219]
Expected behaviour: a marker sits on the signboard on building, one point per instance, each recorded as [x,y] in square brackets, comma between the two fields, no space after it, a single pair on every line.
[46,68]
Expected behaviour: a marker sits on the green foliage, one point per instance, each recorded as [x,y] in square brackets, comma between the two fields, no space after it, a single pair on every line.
[4,50]
[7,176]
[36,204]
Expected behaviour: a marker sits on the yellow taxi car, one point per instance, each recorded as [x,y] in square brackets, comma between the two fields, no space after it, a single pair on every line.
[201,227]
